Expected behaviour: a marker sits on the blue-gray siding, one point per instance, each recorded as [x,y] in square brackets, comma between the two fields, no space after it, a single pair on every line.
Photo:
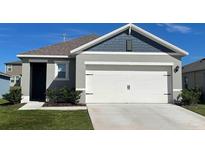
[139,44]
[4,85]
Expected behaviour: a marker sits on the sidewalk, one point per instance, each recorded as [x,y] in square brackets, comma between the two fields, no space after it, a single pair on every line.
[39,106]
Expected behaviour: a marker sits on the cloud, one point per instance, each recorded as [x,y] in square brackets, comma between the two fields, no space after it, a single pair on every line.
[176,28]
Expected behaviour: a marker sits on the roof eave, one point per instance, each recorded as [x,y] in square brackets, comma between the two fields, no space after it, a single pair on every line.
[41,56]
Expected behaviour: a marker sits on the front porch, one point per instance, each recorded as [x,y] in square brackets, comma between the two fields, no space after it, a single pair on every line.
[40,74]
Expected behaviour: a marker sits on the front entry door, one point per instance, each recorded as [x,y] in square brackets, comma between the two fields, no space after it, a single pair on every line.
[38,82]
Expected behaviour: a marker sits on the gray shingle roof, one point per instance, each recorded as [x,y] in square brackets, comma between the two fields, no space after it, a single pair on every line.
[61,48]
[14,62]
[195,66]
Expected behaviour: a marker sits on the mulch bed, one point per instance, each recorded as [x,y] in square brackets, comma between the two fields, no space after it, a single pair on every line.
[61,104]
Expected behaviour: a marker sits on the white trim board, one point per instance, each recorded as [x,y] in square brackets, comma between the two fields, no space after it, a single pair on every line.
[42,56]
[127,53]
[80,89]
[134,28]
[128,63]
[178,90]
[25,99]
[38,60]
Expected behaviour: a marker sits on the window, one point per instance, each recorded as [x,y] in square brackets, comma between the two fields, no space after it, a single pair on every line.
[61,70]
[9,68]
[12,79]
[129,45]
[17,78]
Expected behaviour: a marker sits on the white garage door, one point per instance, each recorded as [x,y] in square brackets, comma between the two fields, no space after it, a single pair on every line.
[127,87]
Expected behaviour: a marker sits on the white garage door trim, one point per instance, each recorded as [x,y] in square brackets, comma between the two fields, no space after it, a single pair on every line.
[128,63]
[128,99]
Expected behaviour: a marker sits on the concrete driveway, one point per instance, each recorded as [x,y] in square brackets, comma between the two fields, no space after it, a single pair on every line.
[143,116]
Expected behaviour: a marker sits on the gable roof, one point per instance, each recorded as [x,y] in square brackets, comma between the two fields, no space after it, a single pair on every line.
[195,66]
[136,29]
[14,63]
[58,50]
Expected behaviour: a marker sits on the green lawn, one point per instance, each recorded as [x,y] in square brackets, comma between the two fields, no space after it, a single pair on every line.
[13,119]
[200,108]
[2,101]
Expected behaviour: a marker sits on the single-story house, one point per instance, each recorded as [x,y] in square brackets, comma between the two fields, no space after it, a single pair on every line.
[4,83]
[194,76]
[127,65]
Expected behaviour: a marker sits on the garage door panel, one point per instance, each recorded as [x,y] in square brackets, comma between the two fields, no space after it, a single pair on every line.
[145,87]
[104,85]
[127,87]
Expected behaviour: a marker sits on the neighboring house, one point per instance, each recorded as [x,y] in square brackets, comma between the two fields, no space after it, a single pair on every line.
[14,69]
[194,75]
[127,65]
[4,83]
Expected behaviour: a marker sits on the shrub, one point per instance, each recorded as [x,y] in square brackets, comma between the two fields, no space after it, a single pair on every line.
[190,96]
[52,95]
[14,95]
[63,95]
[74,96]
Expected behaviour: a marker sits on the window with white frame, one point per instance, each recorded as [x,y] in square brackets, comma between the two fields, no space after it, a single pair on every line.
[17,77]
[12,79]
[9,68]
[61,70]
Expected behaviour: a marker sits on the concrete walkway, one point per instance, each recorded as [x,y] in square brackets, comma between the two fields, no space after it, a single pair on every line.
[39,106]
[32,106]
[144,117]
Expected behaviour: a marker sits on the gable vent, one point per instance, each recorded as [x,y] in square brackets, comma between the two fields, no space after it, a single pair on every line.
[128,45]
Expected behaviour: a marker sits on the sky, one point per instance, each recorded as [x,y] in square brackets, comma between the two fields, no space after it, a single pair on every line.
[17,38]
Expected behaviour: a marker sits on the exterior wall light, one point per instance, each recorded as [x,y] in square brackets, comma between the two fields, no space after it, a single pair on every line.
[176,69]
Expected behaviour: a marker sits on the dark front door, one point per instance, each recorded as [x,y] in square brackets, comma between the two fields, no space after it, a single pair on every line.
[38,82]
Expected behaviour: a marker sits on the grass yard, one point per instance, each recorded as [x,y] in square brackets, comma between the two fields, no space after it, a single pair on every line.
[200,108]
[2,101]
[13,119]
